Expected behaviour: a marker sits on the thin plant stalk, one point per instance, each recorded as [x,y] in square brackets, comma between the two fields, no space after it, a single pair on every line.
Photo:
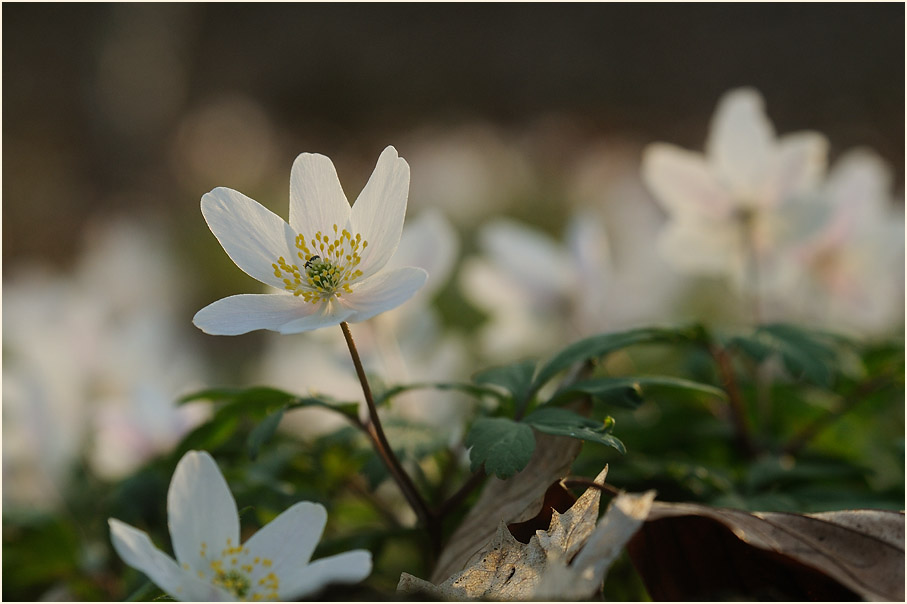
[376,432]
[736,405]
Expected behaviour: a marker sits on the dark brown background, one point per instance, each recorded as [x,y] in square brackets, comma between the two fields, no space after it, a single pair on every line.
[334,74]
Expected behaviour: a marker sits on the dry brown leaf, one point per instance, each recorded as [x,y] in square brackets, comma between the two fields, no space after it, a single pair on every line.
[881,524]
[514,500]
[689,551]
[509,570]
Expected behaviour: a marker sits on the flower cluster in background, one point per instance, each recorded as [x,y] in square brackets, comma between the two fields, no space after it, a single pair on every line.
[526,249]
[625,235]
[94,362]
[760,211]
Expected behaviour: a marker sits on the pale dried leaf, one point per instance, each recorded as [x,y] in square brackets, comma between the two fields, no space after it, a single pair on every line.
[570,530]
[505,570]
[516,499]
[582,578]
[509,570]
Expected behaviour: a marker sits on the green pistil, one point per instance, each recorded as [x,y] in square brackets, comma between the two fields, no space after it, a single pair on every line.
[324,275]
[234,581]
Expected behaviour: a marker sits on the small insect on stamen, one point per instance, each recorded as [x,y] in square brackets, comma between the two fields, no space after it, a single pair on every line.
[311,260]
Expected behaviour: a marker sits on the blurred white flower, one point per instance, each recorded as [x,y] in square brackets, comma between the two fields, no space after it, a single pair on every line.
[327,263]
[213,565]
[50,333]
[723,205]
[144,368]
[540,294]
[643,288]
[526,283]
[468,172]
[93,364]
[847,259]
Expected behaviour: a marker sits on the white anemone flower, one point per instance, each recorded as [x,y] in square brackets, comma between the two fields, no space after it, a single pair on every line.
[212,565]
[326,263]
[848,256]
[723,205]
[424,351]
[538,291]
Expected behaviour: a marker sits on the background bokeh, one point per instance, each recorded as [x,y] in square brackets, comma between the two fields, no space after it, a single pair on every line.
[124,107]
[117,118]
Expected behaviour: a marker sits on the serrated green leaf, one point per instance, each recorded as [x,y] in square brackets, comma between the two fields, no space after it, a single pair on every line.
[629,391]
[263,432]
[501,444]
[600,345]
[563,422]
[515,379]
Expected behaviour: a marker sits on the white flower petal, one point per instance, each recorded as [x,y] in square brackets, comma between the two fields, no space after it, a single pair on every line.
[590,249]
[200,509]
[288,540]
[136,550]
[529,256]
[348,567]
[429,242]
[858,187]
[801,163]
[683,183]
[317,201]
[323,314]
[243,313]
[386,290]
[741,143]
[253,236]
[702,247]
[488,288]
[379,210]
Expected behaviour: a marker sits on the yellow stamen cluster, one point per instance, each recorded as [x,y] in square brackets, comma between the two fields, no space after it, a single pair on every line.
[329,265]
[233,571]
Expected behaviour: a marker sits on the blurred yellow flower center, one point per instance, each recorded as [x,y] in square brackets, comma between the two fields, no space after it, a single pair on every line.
[233,572]
[328,265]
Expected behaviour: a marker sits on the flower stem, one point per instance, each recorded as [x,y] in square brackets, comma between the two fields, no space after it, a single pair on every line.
[737,406]
[753,273]
[452,502]
[376,433]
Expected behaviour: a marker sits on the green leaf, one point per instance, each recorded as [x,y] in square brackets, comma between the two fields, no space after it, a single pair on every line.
[258,400]
[629,391]
[600,345]
[563,422]
[209,436]
[256,395]
[807,355]
[470,389]
[515,379]
[263,432]
[143,593]
[349,409]
[503,445]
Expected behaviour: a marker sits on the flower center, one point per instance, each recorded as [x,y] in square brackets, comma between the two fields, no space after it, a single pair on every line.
[235,570]
[233,581]
[328,265]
